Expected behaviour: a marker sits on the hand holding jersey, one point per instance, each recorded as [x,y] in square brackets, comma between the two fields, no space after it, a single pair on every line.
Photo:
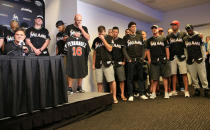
[78,49]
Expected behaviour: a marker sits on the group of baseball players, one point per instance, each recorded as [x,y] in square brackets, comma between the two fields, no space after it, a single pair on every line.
[118,61]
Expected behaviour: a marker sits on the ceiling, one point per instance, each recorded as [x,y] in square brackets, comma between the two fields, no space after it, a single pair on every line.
[120,6]
[150,11]
[168,5]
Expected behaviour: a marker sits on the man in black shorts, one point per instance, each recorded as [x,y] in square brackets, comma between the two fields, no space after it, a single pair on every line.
[102,61]
[78,51]
[118,60]
[158,58]
[38,38]
[133,50]
[60,38]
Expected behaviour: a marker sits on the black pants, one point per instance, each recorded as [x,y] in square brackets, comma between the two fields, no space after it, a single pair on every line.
[135,69]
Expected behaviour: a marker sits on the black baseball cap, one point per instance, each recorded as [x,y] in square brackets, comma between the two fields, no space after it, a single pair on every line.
[59,23]
[39,16]
[154,26]
[189,27]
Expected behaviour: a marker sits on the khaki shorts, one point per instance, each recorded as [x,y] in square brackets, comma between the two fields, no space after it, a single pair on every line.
[108,73]
[182,66]
[120,73]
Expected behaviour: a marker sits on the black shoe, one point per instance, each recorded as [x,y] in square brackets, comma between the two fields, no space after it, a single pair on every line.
[206,93]
[79,90]
[197,92]
[70,90]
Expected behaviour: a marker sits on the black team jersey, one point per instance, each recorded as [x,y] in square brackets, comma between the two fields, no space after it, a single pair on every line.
[38,37]
[177,45]
[77,57]
[9,36]
[117,54]
[78,51]
[72,29]
[13,49]
[193,46]
[157,47]
[103,56]
[60,43]
[134,47]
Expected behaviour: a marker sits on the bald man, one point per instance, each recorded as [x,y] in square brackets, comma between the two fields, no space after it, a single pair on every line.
[78,49]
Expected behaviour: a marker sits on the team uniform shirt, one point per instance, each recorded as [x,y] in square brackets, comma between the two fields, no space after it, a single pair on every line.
[193,46]
[13,49]
[157,47]
[103,56]
[72,29]
[117,54]
[177,45]
[60,43]
[38,37]
[78,51]
[9,36]
[77,57]
[135,47]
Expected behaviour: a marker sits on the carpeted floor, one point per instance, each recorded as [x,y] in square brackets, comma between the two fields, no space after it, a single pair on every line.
[177,113]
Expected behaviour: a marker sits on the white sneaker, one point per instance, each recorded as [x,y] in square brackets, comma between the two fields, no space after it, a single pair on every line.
[166,95]
[130,99]
[144,97]
[136,95]
[173,93]
[153,96]
[186,94]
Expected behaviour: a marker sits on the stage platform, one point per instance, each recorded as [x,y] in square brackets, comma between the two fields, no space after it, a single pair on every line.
[79,106]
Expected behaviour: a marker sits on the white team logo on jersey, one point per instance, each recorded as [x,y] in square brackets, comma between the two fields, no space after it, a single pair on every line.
[15,17]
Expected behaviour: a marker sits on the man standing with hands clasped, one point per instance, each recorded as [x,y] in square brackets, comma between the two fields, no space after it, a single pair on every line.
[78,49]
[158,58]
[38,38]
[133,50]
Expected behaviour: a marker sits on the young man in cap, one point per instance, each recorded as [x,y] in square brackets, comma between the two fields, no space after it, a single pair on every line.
[133,50]
[118,60]
[177,56]
[102,61]
[60,38]
[78,49]
[196,60]
[37,37]
[158,58]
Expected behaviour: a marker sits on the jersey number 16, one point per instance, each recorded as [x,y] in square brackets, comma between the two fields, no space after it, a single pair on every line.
[77,51]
